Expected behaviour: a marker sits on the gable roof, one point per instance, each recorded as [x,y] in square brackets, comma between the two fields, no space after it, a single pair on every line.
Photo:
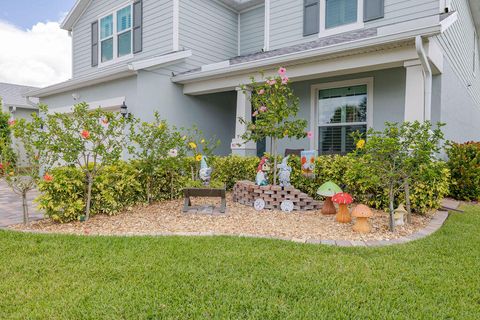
[13,94]
[81,5]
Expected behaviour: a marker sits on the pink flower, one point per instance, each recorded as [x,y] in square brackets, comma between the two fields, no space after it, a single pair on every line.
[262,109]
[255,114]
[47,177]
[271,82]
[282,71]
[285,80]
[85,134]
[310,135]
[104,122]
[11,122]
[261,91]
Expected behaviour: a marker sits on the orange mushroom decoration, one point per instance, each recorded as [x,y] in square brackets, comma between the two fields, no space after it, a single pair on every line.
[343,200]
[362,213]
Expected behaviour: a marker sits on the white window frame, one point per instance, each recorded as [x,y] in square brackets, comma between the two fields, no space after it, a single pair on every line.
[115,35]
[324,32]
[316,88]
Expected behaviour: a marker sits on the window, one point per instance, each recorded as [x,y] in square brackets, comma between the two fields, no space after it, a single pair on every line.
[116,35]
[340,12]
[339,110]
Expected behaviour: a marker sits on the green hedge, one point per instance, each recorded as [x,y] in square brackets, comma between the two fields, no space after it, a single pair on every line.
[464,164]
[123,185]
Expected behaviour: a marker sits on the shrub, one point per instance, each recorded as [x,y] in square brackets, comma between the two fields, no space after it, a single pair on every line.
[116,187]
[231,169]
[464,165]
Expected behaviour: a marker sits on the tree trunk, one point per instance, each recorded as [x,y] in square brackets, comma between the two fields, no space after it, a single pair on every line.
[275,161]
[171,185]
[25,208]
[391,197]
[89,196]
[149,197]
[407,201]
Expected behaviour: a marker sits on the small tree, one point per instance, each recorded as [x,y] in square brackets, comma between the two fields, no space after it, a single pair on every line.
[90,139]
[275,108]
[396,153]
[156,142]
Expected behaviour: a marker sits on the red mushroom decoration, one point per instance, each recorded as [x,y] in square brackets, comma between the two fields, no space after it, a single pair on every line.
[343,200]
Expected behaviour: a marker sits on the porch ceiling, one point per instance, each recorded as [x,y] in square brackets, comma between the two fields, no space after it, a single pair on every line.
[242,4]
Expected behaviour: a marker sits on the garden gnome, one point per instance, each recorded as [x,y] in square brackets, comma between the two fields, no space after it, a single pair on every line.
[398,215]
[205,172]
[328,190]
[262,170]
[284,173]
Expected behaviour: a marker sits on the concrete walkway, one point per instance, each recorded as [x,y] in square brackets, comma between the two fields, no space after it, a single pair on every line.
[11,207]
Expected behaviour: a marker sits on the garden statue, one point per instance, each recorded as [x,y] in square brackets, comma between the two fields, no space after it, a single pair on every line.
[362,213]
[328,190]
[398,215]
[262,170]
[343,200]
[205,172]
[284,173]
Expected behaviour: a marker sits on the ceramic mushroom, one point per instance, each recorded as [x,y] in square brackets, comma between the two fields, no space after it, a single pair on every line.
[343,200]
[328,190]
[362,213]
[398,215]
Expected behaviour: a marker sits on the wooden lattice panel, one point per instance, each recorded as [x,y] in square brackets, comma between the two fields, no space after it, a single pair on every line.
[246,192]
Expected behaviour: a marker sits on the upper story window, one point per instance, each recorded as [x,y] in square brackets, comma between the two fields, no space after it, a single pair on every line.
[327,17]
[116,35]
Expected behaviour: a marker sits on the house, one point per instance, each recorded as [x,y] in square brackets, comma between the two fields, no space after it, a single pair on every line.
[14,100]
[354,63]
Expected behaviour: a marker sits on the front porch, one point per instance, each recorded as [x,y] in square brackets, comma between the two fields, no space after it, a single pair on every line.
[342,94]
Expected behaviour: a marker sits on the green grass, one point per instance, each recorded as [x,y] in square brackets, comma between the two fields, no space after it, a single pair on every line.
[68,277]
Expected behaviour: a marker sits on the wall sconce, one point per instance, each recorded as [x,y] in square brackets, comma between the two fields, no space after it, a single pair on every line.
[124,110]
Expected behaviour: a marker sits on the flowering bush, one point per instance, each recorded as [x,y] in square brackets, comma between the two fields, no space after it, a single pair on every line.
[275,108]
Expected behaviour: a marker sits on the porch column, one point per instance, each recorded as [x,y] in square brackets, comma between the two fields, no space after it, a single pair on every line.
[414,92]
[244,111]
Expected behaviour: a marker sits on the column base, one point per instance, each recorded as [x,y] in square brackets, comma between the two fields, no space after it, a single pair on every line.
[241,148]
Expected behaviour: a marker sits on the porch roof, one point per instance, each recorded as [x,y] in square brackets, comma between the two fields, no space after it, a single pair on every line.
[351,43]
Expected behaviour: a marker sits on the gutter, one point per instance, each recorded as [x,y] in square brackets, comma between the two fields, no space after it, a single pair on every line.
[427,72]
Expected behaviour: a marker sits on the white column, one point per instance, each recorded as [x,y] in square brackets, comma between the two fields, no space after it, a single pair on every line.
[244,111]
[414,92]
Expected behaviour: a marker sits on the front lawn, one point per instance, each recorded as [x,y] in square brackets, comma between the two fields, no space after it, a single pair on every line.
[70,277]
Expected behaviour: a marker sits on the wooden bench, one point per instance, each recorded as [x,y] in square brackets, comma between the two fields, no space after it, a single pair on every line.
[204,193]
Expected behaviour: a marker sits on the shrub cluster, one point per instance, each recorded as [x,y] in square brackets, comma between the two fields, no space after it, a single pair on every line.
[117,187]
[464,165]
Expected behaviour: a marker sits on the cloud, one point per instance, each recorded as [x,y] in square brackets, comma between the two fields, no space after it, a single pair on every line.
[39,57]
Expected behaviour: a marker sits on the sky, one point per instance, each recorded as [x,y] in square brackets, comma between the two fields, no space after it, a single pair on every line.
[34,50]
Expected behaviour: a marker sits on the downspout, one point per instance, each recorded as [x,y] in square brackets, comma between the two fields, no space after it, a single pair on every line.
[427,72]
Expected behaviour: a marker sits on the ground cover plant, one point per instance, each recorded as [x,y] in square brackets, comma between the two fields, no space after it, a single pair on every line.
[49,276]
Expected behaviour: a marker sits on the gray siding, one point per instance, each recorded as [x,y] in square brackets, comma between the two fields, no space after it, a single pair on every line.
[458,46]
[157,32]
[286,21]
[252,30]
[388,100]
[210,30]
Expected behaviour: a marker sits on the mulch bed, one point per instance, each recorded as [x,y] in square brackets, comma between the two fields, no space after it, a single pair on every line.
[167,217]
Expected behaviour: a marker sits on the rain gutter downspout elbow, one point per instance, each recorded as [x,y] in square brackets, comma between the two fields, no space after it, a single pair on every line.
[427,71]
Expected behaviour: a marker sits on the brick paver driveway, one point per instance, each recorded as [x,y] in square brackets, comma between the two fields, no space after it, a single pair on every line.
[11,207]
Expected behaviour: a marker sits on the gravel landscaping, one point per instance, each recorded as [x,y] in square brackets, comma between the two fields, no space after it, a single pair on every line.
[167,218]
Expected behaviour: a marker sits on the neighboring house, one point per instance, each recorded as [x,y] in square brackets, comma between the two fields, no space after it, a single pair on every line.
[14,100]
[354,63]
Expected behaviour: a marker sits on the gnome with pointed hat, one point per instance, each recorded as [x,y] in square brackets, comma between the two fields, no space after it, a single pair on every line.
[205,172]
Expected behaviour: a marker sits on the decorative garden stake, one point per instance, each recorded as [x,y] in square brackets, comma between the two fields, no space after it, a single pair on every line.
[328,190]
[205,172]
[284,173]
[262,170]
[399,215]
[343,200]
[362,213]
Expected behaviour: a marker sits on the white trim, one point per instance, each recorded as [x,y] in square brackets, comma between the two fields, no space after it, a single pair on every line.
[74,14]
[324,32]
[266,42]
[447,22]
[314,89]
[176,25]
[112,104]
[113,12]
[252,8]
[161,60]
[239,34]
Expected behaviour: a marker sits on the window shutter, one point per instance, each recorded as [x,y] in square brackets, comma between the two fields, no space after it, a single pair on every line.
[373,9]
[95,44]
[311,17]
[137,26]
